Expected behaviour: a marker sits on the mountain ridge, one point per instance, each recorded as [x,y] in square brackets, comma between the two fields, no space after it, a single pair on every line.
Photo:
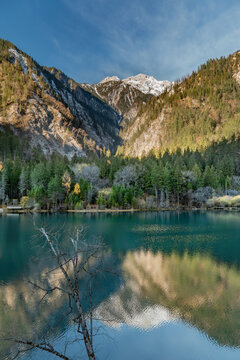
[55,116]
[127,95]
[127,116]
[200,110]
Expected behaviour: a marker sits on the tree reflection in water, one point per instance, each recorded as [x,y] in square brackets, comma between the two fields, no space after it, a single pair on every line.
[157,288]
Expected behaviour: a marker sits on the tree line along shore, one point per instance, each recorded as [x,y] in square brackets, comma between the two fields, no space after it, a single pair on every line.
[183,179]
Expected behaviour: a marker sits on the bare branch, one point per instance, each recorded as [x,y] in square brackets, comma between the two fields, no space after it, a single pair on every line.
[74,289]
[41,346]
[80,260]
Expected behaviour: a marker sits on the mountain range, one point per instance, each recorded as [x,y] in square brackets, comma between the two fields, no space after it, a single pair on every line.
[134,117]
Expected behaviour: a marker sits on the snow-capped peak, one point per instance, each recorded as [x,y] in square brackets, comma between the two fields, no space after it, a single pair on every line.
[144,83]
[148,84]
[109,78]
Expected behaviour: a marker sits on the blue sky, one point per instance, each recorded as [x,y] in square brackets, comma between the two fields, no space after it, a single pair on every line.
[92,39]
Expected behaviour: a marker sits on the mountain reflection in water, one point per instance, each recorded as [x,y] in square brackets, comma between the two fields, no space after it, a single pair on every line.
[192,288]
[165,281]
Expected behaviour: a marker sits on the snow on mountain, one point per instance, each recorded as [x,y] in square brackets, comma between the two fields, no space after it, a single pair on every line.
[126,96]
[109,78]
[132,312]
[144,83]
[148,84]
[22,60]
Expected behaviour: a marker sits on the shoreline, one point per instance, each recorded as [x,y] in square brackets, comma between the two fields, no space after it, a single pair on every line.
[83,211]
[4,211]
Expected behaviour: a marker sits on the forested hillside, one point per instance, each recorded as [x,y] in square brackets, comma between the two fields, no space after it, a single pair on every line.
[58,141]
[201,109]
[53,116]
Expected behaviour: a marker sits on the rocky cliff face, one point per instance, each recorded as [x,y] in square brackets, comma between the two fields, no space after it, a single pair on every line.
[134,116]
[127,96]
[59,115]
[52,110]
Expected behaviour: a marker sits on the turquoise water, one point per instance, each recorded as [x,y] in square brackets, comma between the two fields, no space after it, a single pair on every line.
[178,295]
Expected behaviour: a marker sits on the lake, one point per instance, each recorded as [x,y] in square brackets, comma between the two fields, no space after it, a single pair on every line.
[177,296]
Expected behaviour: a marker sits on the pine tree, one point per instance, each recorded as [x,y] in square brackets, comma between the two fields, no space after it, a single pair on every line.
[56,190]
[3,187]
[196,170]
[157,179]
[177,182]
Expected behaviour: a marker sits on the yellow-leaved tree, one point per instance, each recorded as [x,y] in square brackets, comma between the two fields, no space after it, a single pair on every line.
[77,189]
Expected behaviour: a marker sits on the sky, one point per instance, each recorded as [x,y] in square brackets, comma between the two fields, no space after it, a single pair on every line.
[91,39]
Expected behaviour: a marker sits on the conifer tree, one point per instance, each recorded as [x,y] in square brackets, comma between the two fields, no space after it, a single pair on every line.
[3,187]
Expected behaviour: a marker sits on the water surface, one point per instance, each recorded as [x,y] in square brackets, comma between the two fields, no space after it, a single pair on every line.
[178,296]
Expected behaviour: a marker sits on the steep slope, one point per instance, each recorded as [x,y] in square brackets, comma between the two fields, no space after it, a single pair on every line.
[201,109]
[127,96]
[51,110]
[135,116]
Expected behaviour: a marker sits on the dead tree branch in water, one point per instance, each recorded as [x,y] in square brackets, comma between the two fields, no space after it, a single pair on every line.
[76,258]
